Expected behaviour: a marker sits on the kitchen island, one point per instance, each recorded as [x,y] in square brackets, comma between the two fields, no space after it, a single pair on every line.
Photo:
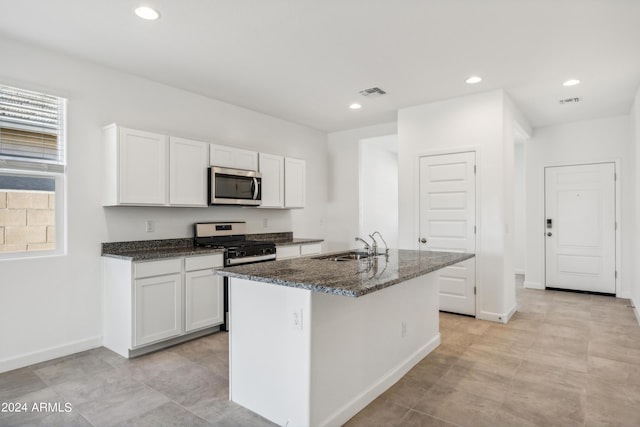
[314,340]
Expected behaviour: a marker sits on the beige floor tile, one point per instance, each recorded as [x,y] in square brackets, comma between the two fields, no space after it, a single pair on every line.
[379,413]
[458,407]
[477,381]
[418,419]
[539,404]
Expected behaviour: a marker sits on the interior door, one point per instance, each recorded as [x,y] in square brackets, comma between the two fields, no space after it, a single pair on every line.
[447,223]
[580,227]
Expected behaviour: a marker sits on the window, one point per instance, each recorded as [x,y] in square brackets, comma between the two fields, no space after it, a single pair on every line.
[32,172]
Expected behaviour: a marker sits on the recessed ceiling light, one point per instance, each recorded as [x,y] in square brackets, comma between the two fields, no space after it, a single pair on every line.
[473,80]
[571,82]
[147,13]
[355,106]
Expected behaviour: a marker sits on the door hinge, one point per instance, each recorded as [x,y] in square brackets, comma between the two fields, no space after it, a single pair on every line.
[474,169]
[474,290]
[616,275]
[474,229]
[615,176]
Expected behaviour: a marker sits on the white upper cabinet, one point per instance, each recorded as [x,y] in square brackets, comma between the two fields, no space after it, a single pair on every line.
[231,157]
[149,169]
[272,170]
[294,183]
[187,172]
[135,167]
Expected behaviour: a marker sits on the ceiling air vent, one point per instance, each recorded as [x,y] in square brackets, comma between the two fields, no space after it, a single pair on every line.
[569,101]
[372,91]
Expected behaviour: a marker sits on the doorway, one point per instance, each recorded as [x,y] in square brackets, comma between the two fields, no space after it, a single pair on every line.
[580,227]
[448,223]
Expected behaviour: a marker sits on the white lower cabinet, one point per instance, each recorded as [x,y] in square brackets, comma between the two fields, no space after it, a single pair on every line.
[150,304]
[204,293]
[158,308]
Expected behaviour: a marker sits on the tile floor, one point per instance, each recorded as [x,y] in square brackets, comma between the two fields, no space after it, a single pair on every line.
[565,359]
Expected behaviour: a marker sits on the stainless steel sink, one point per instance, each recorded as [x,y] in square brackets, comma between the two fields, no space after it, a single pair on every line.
[344,256]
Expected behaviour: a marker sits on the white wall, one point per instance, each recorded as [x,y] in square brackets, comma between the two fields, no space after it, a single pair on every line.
[472,122]
[379,188]
[344,177]
[606,139]
[519,246]
[52,306]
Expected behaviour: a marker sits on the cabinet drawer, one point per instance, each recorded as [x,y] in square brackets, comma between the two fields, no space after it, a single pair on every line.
[157,268]
[311,249]
[203,262]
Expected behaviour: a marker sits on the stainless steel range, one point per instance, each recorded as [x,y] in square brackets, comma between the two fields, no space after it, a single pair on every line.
[231,237]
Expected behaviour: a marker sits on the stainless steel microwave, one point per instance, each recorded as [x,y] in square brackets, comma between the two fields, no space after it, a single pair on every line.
[237,187]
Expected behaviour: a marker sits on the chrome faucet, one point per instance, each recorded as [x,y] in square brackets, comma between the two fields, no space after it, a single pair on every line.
[375,245]
[366,245]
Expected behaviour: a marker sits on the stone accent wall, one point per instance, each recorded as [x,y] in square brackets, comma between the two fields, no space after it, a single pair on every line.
[27,221]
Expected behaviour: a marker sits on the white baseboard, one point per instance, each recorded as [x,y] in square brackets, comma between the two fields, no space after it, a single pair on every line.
[357,404]
[497,317]
[635,310]
[533,285]
[49,353]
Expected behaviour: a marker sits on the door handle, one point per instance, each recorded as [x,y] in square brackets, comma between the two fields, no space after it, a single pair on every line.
[422,240]
[549,234]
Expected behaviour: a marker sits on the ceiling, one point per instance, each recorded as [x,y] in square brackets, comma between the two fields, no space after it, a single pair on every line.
[306,60]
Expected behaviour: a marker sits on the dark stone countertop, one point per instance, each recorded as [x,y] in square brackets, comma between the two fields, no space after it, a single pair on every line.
[347,278]
[146,250]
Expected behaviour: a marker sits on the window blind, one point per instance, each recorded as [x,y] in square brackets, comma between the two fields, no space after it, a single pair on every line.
[31,129]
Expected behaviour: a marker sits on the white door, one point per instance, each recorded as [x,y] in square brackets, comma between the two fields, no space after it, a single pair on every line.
[580,227]
[447,223]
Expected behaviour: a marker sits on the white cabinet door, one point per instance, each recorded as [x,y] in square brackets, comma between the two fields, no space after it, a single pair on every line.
[272,170]
[310,249]
[158,308]
[286,252]
[188,172]
[204,294]
[246,159]
[294,183]
[231,157]
[142,167]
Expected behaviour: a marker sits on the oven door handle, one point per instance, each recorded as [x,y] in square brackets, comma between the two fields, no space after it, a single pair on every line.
[254,186]
[249,260]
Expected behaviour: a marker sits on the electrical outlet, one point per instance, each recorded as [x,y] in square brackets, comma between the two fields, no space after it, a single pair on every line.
[297,319]
[265,222]
[149,226]
[404,329]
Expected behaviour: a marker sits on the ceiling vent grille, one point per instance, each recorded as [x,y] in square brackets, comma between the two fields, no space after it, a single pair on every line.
[372,91]
[569,101]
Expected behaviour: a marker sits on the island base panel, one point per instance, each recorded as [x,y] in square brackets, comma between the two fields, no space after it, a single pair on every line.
[314,359]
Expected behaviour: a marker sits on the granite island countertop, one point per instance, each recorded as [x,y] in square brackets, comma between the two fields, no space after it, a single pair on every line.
[353,278]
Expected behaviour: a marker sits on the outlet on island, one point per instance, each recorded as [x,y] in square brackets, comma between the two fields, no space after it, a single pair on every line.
[149,226]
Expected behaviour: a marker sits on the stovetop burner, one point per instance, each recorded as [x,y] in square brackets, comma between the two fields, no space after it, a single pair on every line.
[238,250]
